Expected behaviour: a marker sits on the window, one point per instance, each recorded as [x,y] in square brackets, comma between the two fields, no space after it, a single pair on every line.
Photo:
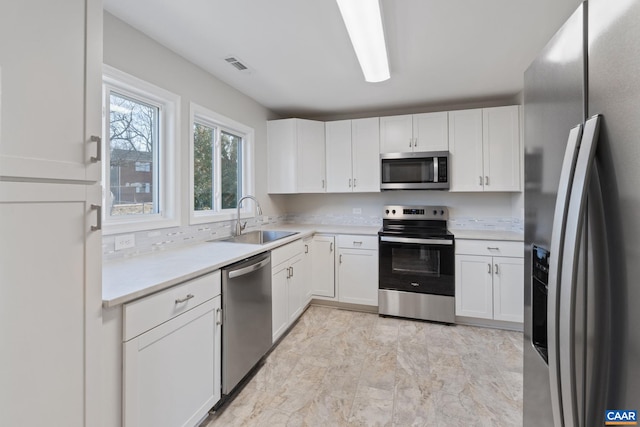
[221,169]
[140,159]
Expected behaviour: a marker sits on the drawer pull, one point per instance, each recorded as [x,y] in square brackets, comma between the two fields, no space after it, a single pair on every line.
[492,249]
[356,243]
[185,299]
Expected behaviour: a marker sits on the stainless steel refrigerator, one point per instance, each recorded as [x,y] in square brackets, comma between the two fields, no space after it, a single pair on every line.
[582,219]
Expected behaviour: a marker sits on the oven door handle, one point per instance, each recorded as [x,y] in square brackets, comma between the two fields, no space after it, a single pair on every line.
[440,242]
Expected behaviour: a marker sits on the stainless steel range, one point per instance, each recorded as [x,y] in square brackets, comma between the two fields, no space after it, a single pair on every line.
[416,264]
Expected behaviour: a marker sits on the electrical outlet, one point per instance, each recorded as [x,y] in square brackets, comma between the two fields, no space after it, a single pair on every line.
[357,211]
[125,241]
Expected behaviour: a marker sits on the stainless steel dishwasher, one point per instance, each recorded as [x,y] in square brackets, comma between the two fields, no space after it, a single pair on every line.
[246,326]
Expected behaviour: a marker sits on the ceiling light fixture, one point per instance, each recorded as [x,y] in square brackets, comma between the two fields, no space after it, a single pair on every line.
[364,25]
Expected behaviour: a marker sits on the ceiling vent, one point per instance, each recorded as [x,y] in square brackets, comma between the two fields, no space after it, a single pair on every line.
[236,63]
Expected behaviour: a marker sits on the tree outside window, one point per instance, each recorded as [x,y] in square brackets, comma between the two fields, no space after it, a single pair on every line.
[217,168]
[133,137]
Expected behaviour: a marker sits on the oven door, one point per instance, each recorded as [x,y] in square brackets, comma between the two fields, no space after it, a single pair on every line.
[417,265]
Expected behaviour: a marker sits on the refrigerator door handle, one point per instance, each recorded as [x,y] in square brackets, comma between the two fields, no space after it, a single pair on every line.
[555,267]
[571,259]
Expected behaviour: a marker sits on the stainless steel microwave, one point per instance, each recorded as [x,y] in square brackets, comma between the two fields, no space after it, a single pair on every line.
[415,171]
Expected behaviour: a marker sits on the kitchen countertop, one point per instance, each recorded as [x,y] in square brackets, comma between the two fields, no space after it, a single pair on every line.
[132,278]
[487,234]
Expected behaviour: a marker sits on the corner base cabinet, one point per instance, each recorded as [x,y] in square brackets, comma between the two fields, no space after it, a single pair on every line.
[489,280]
[323,266]
[171,355]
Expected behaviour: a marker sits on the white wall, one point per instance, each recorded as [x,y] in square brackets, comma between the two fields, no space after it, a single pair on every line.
[129,50]
[460,204]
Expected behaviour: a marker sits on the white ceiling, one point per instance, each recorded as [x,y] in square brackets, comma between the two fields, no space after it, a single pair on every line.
[301,62]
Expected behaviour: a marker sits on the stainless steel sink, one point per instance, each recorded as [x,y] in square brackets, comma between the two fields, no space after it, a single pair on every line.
[260,237]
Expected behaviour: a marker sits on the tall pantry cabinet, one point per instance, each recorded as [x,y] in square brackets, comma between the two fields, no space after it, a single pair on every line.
[50,197]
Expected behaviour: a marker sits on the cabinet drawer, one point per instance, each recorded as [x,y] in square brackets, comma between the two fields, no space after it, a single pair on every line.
[490,247]
[283,253]
[357,242]
[146,313]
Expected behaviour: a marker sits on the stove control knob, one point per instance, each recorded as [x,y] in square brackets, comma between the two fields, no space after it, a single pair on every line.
[387,211]
[441,212]
[435,212]
[393,211]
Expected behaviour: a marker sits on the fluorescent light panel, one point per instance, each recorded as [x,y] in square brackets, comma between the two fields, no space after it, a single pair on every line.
[364,25]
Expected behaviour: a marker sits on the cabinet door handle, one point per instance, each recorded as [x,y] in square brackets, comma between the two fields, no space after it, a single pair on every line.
[331,247]
[489,268]
[185,299]
[340,260]
[323,183]
[486,180]
[496,268]
[354,183]
[480,182]
[415,142]
[98,156]
[291,271]
[98,225]
[218,316]
[349,182]
[410,142]
[306,249]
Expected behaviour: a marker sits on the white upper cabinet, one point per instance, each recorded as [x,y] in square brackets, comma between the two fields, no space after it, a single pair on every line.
[431,131]
[465,150]
[501,144]
[396,134]
[339,161]
[50,77]
[353,155]
[417,132]
[296,156]
[484,147]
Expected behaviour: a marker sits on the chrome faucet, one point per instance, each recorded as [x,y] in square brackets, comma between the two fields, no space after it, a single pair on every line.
[240,227]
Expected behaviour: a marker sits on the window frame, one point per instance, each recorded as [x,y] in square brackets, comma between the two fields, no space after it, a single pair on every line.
[168,176]
[204,116]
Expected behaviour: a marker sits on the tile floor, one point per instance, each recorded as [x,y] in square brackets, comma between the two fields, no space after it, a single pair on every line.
[344,368]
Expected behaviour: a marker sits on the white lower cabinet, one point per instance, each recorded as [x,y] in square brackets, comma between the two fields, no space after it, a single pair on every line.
[50,300]
[323,266]
[307,270]
[171,371]
[490,280]
[358,269]
[287,293]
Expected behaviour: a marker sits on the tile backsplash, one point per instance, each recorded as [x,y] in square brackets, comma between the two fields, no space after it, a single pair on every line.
[176,237]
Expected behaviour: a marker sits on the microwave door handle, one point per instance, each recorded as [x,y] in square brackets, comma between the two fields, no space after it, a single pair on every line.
[569,273]
[435,169]
[555,267]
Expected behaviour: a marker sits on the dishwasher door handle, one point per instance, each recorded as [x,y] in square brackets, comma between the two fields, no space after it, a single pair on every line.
[250,269]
